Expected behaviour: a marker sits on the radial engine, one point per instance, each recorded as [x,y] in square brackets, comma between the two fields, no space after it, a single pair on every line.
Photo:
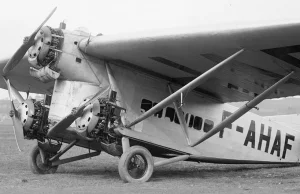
[44,54]
[99,119]
[33,115]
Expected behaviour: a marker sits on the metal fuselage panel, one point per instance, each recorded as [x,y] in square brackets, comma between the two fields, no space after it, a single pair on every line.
[249,138]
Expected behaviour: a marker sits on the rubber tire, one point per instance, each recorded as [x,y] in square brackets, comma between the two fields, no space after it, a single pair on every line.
[34,156]
[125,158]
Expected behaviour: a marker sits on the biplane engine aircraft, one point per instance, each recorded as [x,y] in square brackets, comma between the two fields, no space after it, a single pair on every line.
[160,94]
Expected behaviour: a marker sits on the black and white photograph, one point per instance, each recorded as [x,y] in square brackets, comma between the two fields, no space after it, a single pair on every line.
[169,96]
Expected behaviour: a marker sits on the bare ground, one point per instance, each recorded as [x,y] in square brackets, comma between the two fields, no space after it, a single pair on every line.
[100,175]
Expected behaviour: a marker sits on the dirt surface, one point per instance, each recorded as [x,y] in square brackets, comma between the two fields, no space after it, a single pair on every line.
[100,175]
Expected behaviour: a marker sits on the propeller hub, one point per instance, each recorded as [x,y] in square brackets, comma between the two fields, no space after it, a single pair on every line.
[103,116]
[46,43]
[89,119]
[26,111]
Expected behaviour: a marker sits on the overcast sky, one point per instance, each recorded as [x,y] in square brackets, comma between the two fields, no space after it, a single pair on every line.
[20,18]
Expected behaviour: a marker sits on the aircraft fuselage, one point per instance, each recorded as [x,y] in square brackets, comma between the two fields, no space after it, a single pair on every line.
[250,138]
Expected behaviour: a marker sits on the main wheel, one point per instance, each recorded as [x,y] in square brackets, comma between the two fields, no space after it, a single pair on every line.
[136,165]
[36,165]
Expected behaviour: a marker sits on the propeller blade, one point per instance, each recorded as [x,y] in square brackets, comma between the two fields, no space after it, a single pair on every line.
[68,120]
[19,135]
[17,125]
[42,24]
[14,91]
[16,58]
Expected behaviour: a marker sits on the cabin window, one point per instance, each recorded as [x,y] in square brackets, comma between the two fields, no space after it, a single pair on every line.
[208,125]
[198,123]
[186,117]
[191,122]
[159,113]
[170,112]
[146,105]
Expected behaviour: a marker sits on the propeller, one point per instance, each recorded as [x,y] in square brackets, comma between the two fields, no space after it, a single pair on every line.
[15,59]
[76,112]
[17,125]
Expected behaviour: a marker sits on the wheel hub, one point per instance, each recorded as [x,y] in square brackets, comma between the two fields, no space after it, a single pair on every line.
[26,110]
[137,166]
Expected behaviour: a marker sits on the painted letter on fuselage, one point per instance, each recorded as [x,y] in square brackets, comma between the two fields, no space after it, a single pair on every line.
[286,145]
[224,116]
[277,143]
[263,137]
[251,135]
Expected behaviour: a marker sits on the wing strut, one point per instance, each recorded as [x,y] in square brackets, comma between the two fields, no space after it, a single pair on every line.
[188,87]
[180,114]
[244,109]
[114,87]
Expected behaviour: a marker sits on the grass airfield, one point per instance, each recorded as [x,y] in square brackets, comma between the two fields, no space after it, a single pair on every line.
[100,175]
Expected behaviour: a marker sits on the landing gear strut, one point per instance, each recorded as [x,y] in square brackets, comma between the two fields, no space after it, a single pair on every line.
[44,158]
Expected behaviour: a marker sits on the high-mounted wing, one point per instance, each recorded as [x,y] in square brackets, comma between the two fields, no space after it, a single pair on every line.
[271,51]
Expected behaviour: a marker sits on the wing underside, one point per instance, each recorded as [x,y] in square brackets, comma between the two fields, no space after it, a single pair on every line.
[271,52]
[22,81]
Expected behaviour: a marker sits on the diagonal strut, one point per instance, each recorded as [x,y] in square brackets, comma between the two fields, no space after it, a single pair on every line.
[190,86]
[180,115]
[241,111]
